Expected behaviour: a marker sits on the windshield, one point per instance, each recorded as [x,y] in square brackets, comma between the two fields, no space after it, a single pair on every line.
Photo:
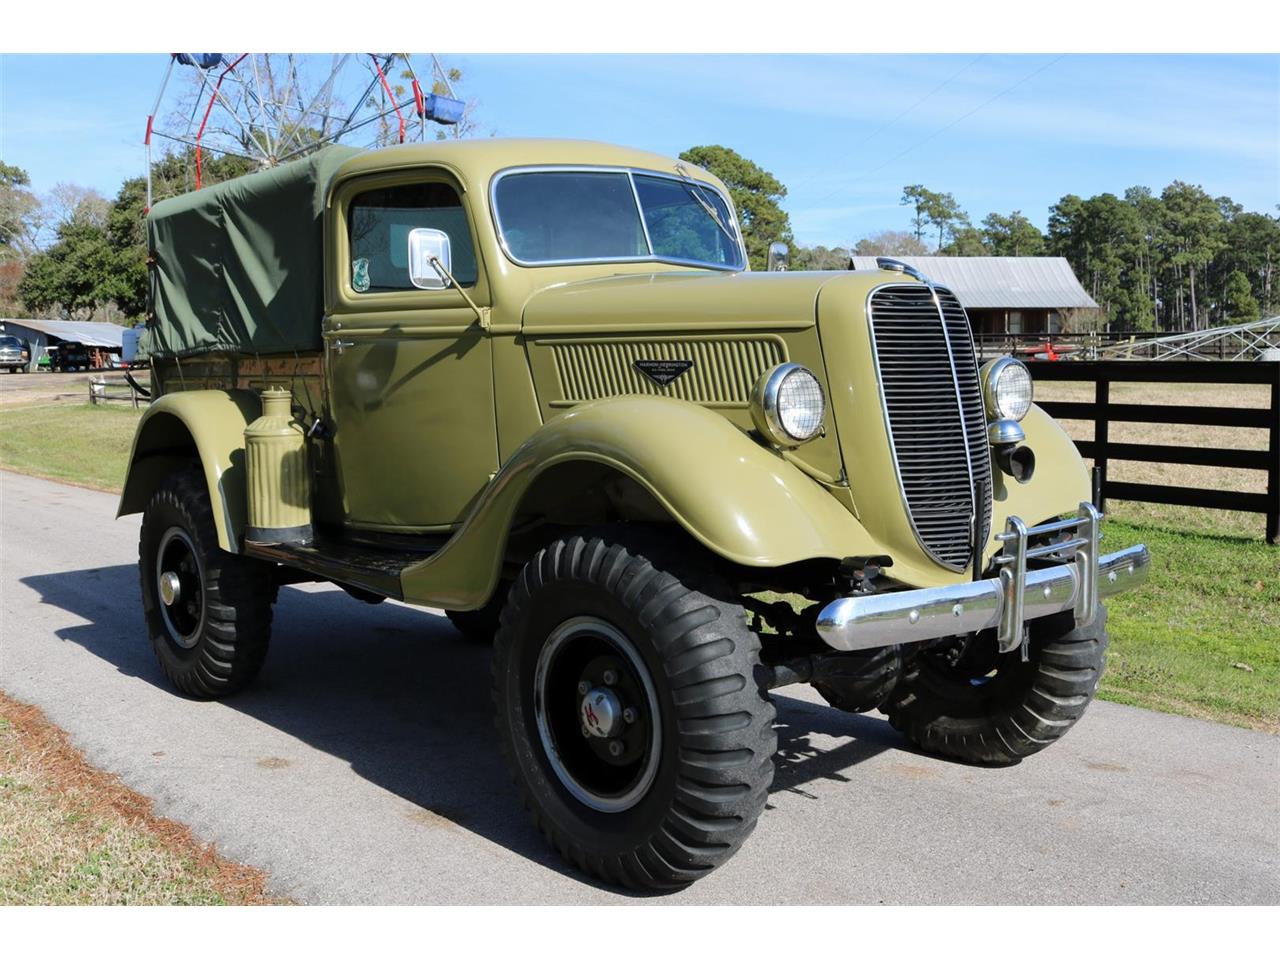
[11,343]
[584,216]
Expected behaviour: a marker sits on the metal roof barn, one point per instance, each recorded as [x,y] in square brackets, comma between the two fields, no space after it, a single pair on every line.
[1001,283]
[90,333]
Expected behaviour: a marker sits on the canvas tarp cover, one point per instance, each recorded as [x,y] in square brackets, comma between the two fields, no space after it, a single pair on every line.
[239,266]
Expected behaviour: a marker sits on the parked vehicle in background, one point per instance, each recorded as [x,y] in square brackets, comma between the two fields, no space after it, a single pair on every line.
[70,355]
[535,384]
[15,355]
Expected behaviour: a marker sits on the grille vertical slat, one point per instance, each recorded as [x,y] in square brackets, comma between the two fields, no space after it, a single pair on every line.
[933,401]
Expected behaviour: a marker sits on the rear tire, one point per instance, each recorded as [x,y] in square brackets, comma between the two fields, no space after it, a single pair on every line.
[694,762]
[211,637]
[1015,711]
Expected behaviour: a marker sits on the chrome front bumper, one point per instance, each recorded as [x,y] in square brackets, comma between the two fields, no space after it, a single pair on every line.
[1004,602]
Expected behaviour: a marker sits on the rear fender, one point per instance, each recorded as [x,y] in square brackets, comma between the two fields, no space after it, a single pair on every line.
[207,425]
[741,500]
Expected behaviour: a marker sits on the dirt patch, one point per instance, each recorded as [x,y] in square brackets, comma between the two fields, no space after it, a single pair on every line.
[70,833]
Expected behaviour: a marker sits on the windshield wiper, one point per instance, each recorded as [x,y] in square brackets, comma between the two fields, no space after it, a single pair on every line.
[695,190]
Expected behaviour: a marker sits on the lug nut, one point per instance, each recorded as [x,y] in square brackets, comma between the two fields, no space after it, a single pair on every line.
[615,748]
[585,732]
[629,715]
[583,687]
[610,677]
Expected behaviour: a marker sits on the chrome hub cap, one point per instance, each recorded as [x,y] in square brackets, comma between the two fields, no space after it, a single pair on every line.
[170,588]
[596,710]
[180,586]
[601,712]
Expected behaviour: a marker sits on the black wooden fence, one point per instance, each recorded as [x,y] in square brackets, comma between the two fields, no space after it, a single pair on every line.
[1103,373]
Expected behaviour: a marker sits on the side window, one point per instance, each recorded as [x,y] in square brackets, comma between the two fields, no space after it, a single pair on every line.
[379,222]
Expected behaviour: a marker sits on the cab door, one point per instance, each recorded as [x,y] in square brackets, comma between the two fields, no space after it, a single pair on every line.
[409,372]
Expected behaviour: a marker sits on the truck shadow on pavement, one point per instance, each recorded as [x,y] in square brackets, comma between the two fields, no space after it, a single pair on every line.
[399,695]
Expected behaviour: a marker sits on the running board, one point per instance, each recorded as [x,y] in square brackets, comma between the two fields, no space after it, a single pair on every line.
[348,564]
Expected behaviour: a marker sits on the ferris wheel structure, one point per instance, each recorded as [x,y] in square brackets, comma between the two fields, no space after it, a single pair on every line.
[272,108]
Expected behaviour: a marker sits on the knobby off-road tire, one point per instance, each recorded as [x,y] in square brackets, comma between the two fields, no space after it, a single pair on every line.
[859,681]
[1019,710]
[212,639]
[709,747]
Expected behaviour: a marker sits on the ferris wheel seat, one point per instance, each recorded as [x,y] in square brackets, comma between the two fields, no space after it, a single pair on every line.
[444,109]
[205,61]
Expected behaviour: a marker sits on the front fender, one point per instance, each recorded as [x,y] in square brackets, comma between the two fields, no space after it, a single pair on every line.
[208,424]
[1057,486]
[741,500]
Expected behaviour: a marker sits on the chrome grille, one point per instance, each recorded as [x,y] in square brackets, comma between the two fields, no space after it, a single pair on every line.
[933,402]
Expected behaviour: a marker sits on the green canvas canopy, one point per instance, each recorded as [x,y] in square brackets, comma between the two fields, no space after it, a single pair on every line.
[239,266]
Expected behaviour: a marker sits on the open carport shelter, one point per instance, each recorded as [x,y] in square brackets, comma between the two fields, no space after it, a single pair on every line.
[102,339]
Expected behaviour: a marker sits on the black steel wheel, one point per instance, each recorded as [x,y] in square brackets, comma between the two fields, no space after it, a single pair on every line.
[208,612]
[973,703]
[631,713]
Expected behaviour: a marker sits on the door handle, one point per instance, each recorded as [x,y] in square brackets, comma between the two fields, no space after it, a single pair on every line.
[340,345]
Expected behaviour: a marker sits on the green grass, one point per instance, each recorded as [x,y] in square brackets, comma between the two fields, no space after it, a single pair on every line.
[80,443]
[71,834]
[1210,608]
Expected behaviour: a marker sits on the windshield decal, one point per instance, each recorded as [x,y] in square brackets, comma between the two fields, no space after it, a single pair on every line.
[360,274]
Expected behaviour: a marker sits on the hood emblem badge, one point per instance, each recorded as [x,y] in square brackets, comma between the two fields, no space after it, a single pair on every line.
[662,372]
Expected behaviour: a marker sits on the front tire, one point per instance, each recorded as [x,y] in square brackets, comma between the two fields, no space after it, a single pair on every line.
[631,714]
[993,708]
[208,612]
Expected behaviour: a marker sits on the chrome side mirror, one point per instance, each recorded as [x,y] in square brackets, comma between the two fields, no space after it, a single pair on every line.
[429,251]
[778,254]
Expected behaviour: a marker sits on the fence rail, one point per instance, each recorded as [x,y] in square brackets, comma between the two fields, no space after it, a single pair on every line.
[102,390]
[1103,373]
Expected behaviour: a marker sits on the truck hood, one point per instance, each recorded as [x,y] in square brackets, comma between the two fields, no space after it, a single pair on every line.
[687,300]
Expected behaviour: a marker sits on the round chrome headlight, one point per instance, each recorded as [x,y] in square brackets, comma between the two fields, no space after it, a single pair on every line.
[787,405]
[1006,389]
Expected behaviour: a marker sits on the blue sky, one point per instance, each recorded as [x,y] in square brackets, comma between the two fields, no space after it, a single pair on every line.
[844,133]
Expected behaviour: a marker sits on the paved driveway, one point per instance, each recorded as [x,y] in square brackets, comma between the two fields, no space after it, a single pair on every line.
[362,767]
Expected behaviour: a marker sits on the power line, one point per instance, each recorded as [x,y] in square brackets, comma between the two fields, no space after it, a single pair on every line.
[942,130]
[885,126]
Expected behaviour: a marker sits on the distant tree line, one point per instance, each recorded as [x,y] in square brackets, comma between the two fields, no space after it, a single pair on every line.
[75,254]
[1179,260]
[1182,260]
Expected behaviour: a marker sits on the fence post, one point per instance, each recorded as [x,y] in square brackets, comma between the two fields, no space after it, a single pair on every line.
[1273,470]
[1101,424]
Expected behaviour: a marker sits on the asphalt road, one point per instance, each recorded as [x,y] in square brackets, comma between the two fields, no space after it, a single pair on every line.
[362,767]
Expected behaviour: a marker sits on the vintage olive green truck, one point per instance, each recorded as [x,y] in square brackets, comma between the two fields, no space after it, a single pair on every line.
[534,383]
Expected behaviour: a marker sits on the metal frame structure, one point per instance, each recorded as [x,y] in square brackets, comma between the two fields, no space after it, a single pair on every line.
[266,108]
[1244,341]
